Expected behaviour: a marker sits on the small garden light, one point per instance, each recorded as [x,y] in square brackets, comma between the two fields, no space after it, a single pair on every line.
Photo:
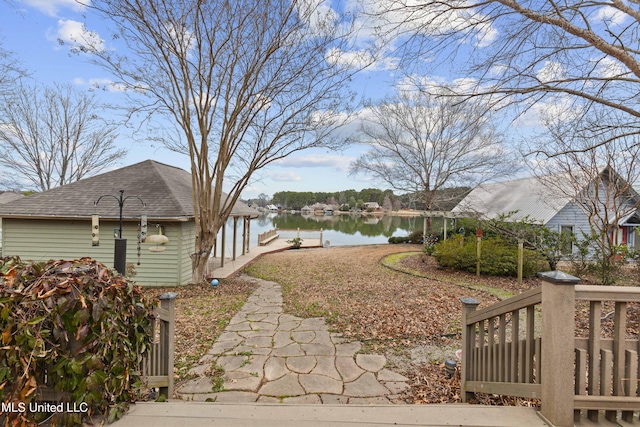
[450,367]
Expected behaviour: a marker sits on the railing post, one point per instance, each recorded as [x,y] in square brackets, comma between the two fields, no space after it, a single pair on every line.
[469,305]
[558,347]
[167,339]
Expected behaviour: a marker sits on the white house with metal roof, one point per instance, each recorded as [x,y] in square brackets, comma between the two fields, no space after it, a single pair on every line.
[57,224]
[533,198]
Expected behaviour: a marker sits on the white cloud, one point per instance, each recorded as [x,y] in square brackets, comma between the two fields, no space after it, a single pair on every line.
[559,107]
[51,7]
[360,59]
[319,15]
[100,83]
[75,35]
[335,161]
[610,68]
[551,71]
[395,21]
[611,15]
[284,176]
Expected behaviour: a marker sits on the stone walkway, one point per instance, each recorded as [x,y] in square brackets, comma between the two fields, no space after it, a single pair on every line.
[268,356]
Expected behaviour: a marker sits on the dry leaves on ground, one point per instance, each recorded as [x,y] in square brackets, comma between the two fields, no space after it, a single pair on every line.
[363,299]
[393,313]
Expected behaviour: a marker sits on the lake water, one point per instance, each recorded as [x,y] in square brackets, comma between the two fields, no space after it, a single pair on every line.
[339,230]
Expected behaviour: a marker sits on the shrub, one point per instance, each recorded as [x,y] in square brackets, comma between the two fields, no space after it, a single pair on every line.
[296,243]
[414,237]
[79,325]
[498,258]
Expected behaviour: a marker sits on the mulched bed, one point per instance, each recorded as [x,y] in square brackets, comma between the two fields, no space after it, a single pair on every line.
[428,266]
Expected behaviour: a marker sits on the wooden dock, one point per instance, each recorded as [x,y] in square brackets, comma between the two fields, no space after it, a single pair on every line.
[231,267]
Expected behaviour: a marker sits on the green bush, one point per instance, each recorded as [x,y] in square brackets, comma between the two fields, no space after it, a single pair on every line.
[80,325]
[498,258]
[414,237]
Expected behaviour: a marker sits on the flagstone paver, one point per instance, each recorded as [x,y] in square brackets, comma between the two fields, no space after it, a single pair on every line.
[269,356]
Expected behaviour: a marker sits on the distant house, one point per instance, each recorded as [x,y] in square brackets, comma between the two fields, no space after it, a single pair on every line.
[271,208]
[371,205]
[318,208]
[532,198]
[306,210]
[56,224]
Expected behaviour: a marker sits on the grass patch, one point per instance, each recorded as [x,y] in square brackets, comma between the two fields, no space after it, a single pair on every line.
[394,262]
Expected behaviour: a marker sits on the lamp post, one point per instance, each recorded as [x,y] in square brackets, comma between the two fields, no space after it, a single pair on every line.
[120,247]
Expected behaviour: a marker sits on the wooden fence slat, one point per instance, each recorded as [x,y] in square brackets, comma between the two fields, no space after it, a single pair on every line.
[606,374]
[630,380]
[538,356]
[507,363]
[490,349]
[595,314]
[502,337]
[581,378]
[522,366]
[515,339]
[620,327]
[481,343]
[529,344]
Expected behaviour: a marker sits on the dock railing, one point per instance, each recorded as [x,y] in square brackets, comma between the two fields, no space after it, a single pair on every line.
[295,232]
[527,346]
[266,237]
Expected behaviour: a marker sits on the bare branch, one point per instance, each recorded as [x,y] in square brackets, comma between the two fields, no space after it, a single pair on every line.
[53,136]
[425,143]
[243,85]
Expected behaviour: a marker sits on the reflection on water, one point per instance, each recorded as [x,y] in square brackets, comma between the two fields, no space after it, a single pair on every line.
[339,230]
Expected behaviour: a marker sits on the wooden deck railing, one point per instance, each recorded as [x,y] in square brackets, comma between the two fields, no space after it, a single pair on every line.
[607,373]
[526,346]
[157,368]
[500,347]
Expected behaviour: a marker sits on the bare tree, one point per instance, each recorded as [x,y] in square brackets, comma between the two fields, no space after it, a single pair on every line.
[10,69]
[263,200]
[243,83]
[422,143]
[520,53]
[52,136]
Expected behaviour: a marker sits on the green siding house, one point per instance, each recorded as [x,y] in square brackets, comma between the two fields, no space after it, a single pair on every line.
[56,224]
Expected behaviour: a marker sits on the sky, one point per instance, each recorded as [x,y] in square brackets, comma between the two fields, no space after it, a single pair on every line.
[32,29]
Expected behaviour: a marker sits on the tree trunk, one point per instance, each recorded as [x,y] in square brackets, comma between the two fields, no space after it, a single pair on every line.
[200,258]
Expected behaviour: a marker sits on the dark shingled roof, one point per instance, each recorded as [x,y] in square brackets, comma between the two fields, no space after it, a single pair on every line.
[9,196]
[165,189]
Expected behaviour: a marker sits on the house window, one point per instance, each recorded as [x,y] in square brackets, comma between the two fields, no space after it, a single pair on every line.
[566,233]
